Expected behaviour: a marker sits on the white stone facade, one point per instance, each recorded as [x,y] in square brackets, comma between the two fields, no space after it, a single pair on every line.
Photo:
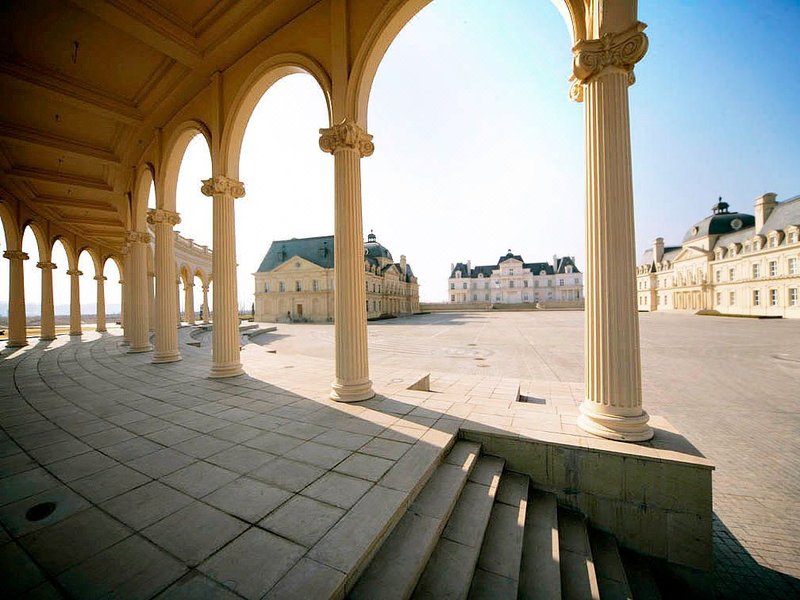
[513,281]
[732,263]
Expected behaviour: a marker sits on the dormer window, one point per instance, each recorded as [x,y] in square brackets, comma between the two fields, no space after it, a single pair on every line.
[480,275]
[569,268]
[458,274]
[542,272]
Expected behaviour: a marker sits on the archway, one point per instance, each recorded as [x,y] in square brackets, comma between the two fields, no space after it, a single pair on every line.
[87,265]
[61,254]
[112,270]
[32,246]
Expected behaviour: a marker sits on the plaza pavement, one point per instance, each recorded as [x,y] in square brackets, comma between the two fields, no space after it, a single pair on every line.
[184,480]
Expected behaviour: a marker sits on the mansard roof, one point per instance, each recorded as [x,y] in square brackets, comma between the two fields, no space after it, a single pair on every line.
[534,267]
[785,214]
[670,252]
[318,250]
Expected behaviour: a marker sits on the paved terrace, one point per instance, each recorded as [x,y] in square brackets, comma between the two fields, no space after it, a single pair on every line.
[187,482]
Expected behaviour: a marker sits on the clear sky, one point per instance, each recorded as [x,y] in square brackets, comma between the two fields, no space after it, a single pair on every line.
[479,150]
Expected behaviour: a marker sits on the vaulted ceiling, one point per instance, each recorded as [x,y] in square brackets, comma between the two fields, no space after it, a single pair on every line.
[84,84]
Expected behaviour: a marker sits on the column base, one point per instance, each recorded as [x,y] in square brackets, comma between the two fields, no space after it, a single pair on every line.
[611,427]
[138,349]
[124,343]
[351,392]
[166,357]
[16,344]
[77,334]
[103,330]
[221,371]
[46,338]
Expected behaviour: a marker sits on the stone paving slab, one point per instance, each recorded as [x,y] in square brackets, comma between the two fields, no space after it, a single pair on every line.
[74,400]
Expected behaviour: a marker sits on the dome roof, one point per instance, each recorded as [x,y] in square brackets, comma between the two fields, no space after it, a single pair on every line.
[720,222]
[375,250]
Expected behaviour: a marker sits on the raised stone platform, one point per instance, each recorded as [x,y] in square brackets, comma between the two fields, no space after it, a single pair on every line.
[260,484]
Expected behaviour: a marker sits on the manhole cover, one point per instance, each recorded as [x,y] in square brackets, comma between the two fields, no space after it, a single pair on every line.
[40,511]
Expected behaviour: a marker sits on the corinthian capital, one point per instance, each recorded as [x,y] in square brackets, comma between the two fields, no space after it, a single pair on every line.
[46,265]
[219,184]
[138,237]
[74,273]
[346,134]
[15,255]
[159,215]
[621,50]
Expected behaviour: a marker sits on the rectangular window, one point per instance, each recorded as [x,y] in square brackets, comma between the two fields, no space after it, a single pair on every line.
[773,241]
[793,237]
[535,284]
[297,286]
[525,283]
[756,271]
[756,297]
[792,296]
[792,266]
[773,297]
[474,297]
[487,297]
[511,283]
[315,285]
[497,298]
[525,298]
[266,286]
[452,298]
[731,274]
[464,285]
[719,298]
[452,286]
[561,282]
[773,268]
[718,276]
[732,298]
[282,287]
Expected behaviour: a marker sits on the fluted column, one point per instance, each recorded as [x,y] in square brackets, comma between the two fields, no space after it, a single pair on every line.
[48,320]
[101,303]
[124,302]
[75,302]
[225,341]
[137,308]
[349,143]
[603,70]
[151,300]
[206,313]
[188,302]
[166,349]
[17,321]
[178,300]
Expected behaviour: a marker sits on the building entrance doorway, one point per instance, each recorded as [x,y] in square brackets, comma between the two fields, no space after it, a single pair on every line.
[299,310]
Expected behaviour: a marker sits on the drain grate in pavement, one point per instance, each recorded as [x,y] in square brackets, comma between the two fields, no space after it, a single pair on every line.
[40,511]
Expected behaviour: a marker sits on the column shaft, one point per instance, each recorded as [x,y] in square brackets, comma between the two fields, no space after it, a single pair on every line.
[166,349]
[206,312]
[48,321]
[613,404]
[188,302]
[151,296]
[348,143]
[226,339]
[17,321]
[137,308]
[101,303]
[75,302]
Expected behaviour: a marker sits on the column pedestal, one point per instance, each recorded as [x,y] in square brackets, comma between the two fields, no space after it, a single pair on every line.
[17,321]
[166,349]
[75,302]
[349,143]
[48,321]
[613,406]
[226,339]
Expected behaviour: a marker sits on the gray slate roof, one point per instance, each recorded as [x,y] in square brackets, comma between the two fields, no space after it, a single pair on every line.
[535,268]
[785,214]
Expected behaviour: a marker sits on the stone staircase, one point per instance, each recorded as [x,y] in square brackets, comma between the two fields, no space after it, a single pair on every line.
[478,531]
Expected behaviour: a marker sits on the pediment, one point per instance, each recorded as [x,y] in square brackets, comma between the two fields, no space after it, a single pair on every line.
[289,265]
[690,252]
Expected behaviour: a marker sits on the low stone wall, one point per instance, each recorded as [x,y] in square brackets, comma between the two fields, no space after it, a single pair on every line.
[452,307]
[487,306]
[661,508]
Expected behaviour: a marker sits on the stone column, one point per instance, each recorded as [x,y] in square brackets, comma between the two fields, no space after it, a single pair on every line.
[225,340]
[101,303]
[188,302]
[603,70]
[75,302]
[178,300]
[151,300]
[137,307]
[123,309]
[166,328]
[206,312]
[48,322]
[349,143]
[17,321]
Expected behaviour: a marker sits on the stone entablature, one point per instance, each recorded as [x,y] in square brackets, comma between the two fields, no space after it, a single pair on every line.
[732,263]
[295,281]
[513,281]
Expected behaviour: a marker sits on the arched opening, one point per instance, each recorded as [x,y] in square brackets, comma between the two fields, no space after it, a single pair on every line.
[33,280]
[88,290]
[193,207]
[198,278]
[289,181]
[61,285]
[498,98]
[113,292]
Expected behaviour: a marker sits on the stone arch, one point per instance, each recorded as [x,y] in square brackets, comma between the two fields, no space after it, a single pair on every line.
[145,176]
[42,243]
[247,97]
[200,274]
[69,249]
[13,235]
[394,17]
[97,260]
[173,156]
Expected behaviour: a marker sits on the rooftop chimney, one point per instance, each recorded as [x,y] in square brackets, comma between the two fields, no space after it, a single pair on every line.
[469,267]
[764,207]
[658,249]
[403,263]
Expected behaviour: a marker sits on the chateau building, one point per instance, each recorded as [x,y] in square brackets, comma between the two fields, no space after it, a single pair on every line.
[729,262]
[513,281]
[296,281]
